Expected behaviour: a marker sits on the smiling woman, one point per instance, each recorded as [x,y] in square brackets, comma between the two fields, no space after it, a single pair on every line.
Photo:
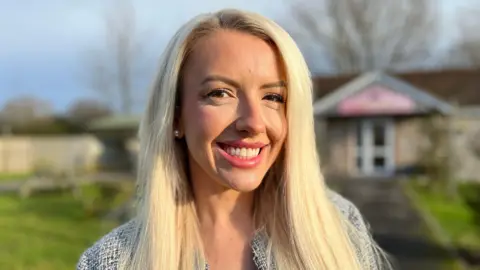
[229,175]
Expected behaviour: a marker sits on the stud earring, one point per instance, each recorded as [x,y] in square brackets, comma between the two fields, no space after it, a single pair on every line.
[177,133]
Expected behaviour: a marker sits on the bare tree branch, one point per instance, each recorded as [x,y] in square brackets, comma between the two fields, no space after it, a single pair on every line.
[362,35]
[113,69]
[99,76]
[469,48]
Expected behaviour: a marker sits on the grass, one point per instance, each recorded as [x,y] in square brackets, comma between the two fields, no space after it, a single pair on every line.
[454,217]
[7,177]
[45,232]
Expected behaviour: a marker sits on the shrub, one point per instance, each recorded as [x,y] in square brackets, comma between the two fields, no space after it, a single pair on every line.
[436,158]
[43,168]
[55,125]
[470,192]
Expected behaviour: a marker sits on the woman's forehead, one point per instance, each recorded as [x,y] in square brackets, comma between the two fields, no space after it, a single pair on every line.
[230,53]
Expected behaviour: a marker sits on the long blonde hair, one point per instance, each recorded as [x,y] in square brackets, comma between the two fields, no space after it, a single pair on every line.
[304,229]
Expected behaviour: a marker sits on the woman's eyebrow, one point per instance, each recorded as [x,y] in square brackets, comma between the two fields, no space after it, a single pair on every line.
[280,84]
[212,78]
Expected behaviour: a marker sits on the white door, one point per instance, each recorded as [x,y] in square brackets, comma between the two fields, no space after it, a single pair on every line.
[375,146]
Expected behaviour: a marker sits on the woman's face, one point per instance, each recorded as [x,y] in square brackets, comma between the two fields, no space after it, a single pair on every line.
[233,109]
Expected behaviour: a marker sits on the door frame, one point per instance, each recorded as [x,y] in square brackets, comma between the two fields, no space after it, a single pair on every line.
[366,152]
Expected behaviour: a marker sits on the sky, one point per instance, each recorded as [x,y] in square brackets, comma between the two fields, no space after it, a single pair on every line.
[44,44]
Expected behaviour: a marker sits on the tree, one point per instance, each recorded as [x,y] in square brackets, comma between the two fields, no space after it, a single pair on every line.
[435,153]
[112,68]
[469,48]
[475,143]
[85,110]
[365,35]
[32,116]
[25,109]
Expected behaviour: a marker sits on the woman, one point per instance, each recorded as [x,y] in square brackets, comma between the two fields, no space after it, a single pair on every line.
[229,176]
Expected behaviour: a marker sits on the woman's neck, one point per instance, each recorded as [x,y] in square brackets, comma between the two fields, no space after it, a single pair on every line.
[218,207]
[226,225]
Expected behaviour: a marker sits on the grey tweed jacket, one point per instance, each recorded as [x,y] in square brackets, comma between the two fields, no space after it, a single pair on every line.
[105,253]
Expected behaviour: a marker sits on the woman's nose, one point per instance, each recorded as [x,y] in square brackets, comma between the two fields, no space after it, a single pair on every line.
[250,118]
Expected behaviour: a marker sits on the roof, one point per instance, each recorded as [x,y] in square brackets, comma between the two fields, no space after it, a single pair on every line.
[426,100]
[115,122]
[460,86]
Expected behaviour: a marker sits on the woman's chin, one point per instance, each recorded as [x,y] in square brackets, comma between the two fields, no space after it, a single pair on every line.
[241,180]
[243,185]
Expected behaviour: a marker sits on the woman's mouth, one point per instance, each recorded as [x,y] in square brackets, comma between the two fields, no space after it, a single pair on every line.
[243,153]
[242,156]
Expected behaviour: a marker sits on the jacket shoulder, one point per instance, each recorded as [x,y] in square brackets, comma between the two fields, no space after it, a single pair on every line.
[368,249]
[105,253]
[349,210]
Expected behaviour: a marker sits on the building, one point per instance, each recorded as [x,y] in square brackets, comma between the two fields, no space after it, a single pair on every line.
[381,125]
[118,135]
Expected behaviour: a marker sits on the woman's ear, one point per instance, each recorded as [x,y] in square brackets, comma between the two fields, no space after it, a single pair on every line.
[178,130]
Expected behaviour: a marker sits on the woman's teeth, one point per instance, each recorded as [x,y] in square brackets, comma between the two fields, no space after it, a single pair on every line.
[243,152]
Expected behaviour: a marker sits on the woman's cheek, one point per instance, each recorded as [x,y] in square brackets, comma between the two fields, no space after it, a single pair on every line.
[276,123]
[213,120]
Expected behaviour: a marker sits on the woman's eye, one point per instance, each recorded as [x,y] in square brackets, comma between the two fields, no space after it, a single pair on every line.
[218,93]
[275,98]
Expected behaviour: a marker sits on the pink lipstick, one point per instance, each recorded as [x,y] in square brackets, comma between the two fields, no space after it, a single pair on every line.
[242,154]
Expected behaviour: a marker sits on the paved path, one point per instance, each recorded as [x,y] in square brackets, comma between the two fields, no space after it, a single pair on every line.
[397,227]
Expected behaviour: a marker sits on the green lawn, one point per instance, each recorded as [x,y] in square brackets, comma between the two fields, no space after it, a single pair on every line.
[5,177]
[454,216]
[45,232]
